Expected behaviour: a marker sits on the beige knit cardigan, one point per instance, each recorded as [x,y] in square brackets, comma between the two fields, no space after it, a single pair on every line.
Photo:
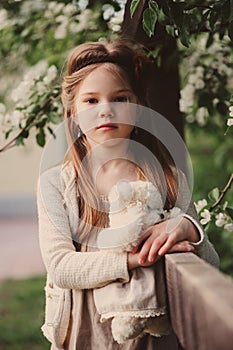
[67,269]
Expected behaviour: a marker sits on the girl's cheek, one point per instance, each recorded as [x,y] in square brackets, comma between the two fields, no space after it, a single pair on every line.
[125,113]
[87,119]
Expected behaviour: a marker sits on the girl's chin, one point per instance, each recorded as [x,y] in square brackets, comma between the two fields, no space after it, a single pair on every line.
[106,142]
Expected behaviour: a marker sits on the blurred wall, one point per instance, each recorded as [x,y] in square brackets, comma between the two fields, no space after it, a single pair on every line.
[19,171]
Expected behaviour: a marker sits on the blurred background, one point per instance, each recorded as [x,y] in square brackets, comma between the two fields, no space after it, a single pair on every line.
[193,67]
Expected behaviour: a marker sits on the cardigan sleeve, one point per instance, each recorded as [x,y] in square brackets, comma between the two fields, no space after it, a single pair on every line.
[204,247]
[66,267]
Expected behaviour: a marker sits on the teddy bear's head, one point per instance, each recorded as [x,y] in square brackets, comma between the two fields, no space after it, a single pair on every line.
[126,193]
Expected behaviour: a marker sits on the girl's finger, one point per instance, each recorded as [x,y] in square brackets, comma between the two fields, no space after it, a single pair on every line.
[171,241]
[155,247]
[142,238]
[151,246]
[143,254]
[184,246]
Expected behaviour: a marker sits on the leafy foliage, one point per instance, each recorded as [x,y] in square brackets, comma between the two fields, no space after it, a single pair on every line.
[183,19]
[33,33]
[35,38]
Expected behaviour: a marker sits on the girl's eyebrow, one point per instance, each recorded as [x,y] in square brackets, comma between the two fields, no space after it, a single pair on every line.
[91,93]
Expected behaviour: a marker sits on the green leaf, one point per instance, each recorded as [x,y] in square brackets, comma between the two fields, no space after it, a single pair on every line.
[222,108]
[213,19]
[54,118]
[203,20]
[210,40]
[155,53]
[133,7]
[51,131]
[154,6]
[19,141]
[41,123]
[170,30]
[165,8]
[40,138]
[184,37]
[205,100]
[8,133]
[214,194]
[177,14]
[181,21]
[149,20]
[230,31]
[25,134]
[230,212]
[231,11]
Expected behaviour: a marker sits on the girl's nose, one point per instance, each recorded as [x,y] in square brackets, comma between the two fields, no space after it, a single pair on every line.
[106,111]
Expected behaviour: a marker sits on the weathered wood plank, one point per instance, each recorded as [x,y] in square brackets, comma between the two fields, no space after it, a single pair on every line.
[201,303]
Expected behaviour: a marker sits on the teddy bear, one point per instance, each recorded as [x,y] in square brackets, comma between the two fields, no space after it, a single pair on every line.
[133,207]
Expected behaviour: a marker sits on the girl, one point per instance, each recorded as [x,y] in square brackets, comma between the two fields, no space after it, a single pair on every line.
[102,94]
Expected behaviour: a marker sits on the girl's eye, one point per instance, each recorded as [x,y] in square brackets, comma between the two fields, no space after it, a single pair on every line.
[121,99]
[92,100]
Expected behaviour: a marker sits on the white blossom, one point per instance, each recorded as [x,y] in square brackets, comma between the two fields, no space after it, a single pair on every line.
[221,219]
[2,121]
[51,75]
[190,118]
[16,118]
[62,19]
[229,227]
[187,95]
[32,82]
[192,78]
[82,4]
[41,88]
[60,32]
[2,108]
[4,22]
[2,116]
[222,69]
[69,9]
[108,11]
[199,71]
[29,6]
[21,93]
[231,111]
[35,72]
[201,116]
[86,20]
[230,121]
[116,21]
[55,7]
[206,217]
[200,204]
[199,84]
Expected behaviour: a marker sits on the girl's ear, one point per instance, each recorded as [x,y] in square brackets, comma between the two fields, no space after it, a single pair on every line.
[72,112]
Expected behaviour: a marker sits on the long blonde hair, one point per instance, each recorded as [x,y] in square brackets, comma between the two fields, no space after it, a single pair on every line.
[134,69]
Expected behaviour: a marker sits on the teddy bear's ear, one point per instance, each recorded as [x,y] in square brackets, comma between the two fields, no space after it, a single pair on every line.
[125,190]
[154,199]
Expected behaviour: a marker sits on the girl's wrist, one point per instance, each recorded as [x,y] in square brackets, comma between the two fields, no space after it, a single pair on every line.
[132,261]
[193,233]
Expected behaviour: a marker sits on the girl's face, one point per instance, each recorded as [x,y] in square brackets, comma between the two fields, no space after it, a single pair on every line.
[103,108]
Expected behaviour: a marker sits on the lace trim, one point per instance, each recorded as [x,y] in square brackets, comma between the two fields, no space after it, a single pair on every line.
[103,197]
[134,313]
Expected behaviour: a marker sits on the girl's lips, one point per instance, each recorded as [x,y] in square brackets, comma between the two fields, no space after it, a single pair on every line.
[107,126]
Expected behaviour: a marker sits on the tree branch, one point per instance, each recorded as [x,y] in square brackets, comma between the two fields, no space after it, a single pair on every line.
[223,192]
[11,143]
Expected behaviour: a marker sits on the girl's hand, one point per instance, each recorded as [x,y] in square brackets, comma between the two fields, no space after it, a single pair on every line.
[133,259]
[173,235]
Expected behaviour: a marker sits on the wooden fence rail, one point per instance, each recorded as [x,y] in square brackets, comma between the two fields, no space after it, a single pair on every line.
[201,303]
